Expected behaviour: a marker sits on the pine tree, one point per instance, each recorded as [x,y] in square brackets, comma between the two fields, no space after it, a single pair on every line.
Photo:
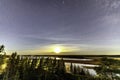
[2,48]
[71,68]
[75,70]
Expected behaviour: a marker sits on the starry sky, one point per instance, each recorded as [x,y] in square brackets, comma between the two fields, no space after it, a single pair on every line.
[88,27]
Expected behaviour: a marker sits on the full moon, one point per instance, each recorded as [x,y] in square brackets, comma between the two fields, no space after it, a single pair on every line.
[57,50]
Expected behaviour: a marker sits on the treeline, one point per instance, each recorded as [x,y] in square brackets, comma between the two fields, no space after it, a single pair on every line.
[51,68]
[45,68]
[40,69]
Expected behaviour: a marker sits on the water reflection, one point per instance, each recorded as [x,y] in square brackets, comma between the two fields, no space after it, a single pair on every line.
[91,71]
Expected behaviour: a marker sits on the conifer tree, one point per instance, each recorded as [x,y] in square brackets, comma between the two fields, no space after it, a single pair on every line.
[71,68]
[2,48]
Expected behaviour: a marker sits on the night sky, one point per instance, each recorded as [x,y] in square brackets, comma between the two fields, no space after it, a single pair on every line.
[79,26]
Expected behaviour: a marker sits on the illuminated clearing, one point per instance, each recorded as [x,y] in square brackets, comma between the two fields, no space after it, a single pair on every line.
[57,50]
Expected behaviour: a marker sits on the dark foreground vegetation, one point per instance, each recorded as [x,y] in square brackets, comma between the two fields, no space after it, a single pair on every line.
[14,67]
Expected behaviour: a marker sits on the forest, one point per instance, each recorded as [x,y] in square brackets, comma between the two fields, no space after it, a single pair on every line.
[13,67]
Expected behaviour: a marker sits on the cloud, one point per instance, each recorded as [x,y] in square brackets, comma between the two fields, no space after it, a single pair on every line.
[109,6]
